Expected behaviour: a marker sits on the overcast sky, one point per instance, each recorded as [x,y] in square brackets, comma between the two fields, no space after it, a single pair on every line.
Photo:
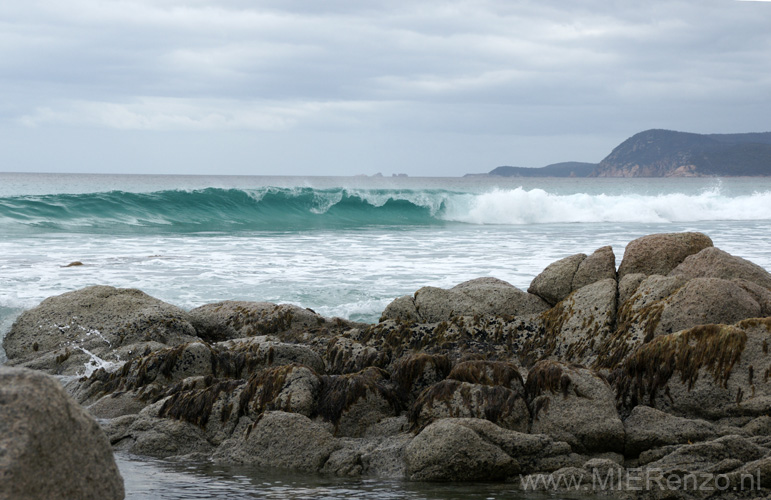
[356,87]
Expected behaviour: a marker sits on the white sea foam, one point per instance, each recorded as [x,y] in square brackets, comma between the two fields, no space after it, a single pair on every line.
[95,363]
[536,206]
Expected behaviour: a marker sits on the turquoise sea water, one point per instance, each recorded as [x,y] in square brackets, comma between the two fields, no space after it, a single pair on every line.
[341,246]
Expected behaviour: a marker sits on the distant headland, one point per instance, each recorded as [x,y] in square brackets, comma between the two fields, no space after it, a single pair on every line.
[667,153]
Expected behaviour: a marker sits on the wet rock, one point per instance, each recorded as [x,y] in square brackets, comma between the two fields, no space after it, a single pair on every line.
[715,263]
[151,376]
[491,373]
[600,265]
[218,406]
[453,398]
[414,373]
[660,253]
[51,448]
[760,426]
[574,404]
[648,428]
[356,401]
[159,437]
[709,371]
[458,339]
[556,281]
[58,335]
[272,352]
[281,440]
[344,355]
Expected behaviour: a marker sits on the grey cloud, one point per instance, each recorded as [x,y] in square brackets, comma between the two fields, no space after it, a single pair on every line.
[478,70]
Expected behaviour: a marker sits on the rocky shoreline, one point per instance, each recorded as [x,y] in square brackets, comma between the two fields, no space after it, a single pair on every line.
[646,381]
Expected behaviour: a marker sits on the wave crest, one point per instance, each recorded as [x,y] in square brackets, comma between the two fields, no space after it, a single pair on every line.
[286,209]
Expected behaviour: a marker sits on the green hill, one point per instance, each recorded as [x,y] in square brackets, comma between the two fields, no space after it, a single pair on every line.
[666,153]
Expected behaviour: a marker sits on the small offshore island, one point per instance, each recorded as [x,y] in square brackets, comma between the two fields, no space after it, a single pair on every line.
[647,381]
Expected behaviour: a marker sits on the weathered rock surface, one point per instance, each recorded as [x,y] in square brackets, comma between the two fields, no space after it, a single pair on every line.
[556,281]
[648,428]
[574,404]
[576,329]
[282,440]
[448,451]
[467,449]
[112,323]
[482,296]
[715,263]
[357,401]
[600,265]
[660,253]
[150,376]
[49,446]
[232,319]
[453,398]
[414,373]
[711,371]
[708,456]
[664,305]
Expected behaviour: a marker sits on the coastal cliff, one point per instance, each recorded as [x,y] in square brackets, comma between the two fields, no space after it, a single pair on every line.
[667,153]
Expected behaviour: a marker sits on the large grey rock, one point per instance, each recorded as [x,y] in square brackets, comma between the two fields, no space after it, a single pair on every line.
[715,263]
[149,435]
[281,440]
[660,253]
[708,456]
[703,301]
[65,332]
[49,446]
[448,451]
[233,319]
[600,265]
[469,449]
[574,404]
[709,371]
[482,296]
[648,428]
[556,281]
[577,328]
[664,305]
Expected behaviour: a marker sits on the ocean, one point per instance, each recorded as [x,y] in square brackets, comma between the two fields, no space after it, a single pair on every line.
[343,246]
